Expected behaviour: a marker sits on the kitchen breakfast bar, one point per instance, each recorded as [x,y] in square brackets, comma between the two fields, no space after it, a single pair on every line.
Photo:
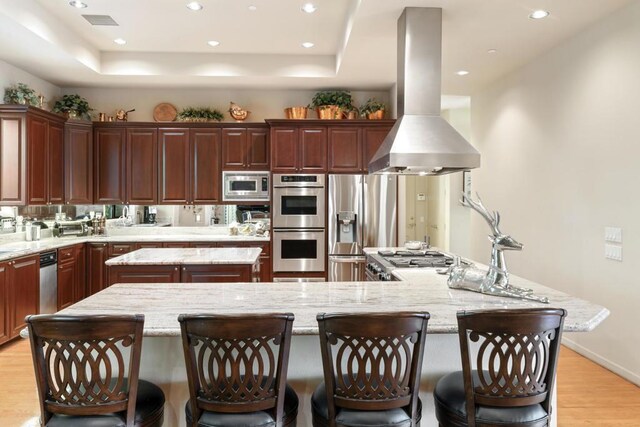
[417,290]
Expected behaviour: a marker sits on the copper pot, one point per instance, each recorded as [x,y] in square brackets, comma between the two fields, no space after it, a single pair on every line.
[351,115]
[296,112]
[329,112]
[376,115]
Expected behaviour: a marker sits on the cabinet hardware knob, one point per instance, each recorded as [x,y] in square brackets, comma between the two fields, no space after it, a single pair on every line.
[175,269]
[184,269]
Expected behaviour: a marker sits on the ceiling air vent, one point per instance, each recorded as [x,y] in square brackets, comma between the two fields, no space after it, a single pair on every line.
[100,20]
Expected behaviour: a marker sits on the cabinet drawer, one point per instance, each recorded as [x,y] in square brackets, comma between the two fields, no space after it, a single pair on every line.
[117,249]
[148,245]
[66,254]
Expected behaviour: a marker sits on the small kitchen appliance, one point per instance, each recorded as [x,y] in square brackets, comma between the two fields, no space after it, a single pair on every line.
[149,214]
[246,186]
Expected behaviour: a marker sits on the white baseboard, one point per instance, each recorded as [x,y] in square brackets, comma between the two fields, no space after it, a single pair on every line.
[612,366]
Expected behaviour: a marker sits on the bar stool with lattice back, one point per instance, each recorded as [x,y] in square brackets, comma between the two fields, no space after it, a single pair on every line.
[516,353]
[84,375]
[372,364]
[237,370]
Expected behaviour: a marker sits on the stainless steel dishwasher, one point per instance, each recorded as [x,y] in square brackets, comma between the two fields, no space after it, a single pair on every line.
[48,282]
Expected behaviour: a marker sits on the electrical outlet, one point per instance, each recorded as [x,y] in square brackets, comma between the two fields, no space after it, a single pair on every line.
[613,234]
[613,252]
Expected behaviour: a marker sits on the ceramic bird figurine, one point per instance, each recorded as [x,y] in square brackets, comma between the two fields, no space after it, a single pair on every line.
[237,112]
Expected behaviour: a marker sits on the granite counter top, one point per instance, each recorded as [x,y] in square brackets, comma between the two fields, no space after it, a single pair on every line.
[161,305]
[188,256]
[23,248]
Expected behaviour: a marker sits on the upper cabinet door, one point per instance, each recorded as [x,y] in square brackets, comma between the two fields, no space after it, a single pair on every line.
[205,165]
[4,307]
[174,166]
[258,149]
[284,150]
[234,149]
[313,150]
[109,165]
[373,138]
[56,164]
[142,166]
[37,155]
[345,150]
[78,158]
[12,160]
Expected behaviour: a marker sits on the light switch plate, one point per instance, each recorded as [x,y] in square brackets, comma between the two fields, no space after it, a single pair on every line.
[613,234]
[613,252]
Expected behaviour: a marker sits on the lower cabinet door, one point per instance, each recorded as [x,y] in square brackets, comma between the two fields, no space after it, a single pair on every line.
[67,276]
[97,271]
[265,269]
[24,283]
[4,307]
[216,273]
[143,274]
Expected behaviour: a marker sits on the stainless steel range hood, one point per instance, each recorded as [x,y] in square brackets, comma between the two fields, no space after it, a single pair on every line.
[422,142]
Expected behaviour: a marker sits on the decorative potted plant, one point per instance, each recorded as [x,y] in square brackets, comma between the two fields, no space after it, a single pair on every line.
[351,112]
[21,94]
[331,104]
[373,109]
[73,106]
[203,114]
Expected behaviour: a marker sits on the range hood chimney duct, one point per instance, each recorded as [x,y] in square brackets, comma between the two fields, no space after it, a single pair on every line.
[421,142]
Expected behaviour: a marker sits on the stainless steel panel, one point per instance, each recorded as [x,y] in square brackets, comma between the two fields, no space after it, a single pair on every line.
[297,279]
[283,264]
[345,195]
[284,220]
[381,211]
[346,269]
[284,180]
[49,289]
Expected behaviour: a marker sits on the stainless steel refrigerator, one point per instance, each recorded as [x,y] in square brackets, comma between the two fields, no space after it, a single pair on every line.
[362,212]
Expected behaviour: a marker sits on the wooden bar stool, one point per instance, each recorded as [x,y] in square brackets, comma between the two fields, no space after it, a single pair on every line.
[84,376]
[237,370]
[516,352]
[372,365]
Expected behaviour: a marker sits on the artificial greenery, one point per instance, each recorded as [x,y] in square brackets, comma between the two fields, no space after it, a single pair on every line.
[73,104]
[21,94]
[341,98]
[203,113]
[371,106]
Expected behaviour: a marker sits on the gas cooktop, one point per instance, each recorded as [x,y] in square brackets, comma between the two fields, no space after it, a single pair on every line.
[407,259]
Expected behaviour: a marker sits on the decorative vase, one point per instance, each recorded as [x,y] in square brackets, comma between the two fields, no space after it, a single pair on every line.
[296,112]
[329,112]
[351,115]
[376,115]
[71,114]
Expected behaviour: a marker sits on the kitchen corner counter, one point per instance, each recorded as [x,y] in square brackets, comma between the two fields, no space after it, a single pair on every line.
[188,256]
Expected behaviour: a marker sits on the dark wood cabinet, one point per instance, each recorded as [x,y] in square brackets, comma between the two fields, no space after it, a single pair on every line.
[205,165]
[71,275]
[345,150]
[180,274]
[22,279]
[373,138]
[143,274]
[284,150]
[109,165]
[221,273]
[4,307]
[97,255]
[81,272]
[117,249]
[13,146]
[142,168]
[174,166]
[265,256]
[299,150]
[313,150]
[245,149]
[55,164]
[78,160]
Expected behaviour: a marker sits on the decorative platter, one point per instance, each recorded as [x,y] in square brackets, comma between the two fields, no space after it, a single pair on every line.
[164,112]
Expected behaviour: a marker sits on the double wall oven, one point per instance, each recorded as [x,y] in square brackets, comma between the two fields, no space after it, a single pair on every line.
[298,223]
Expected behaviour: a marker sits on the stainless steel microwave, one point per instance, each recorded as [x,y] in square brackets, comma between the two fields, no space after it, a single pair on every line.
[246,186]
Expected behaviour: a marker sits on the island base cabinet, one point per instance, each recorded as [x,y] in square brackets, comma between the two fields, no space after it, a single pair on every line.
[143,274]
[97,254]
[219,274]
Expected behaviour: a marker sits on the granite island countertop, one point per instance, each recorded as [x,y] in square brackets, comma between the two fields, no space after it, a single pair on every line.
[421,292]
[187,256]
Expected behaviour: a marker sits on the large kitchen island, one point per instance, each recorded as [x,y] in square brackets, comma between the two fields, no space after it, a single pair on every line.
[162,357]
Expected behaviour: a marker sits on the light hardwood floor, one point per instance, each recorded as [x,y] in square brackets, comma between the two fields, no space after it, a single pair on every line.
[588,395]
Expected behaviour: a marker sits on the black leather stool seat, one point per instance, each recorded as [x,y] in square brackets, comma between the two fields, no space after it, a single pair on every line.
[450,403]
[397,417]
[149,406]
[249,419]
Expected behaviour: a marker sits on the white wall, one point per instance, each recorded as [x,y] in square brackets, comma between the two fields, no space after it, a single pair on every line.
[560,160]
[263,104]
[10,75]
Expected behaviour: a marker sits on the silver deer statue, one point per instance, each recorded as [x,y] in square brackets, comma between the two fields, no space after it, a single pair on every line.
[495,281]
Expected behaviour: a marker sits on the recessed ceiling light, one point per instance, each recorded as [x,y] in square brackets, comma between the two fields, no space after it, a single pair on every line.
[309,7]
[462,72]
[307,45]
[492,51]
[194,5]
[77,4]
[120,41]
[539,14]
[252,8]
[213,43]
